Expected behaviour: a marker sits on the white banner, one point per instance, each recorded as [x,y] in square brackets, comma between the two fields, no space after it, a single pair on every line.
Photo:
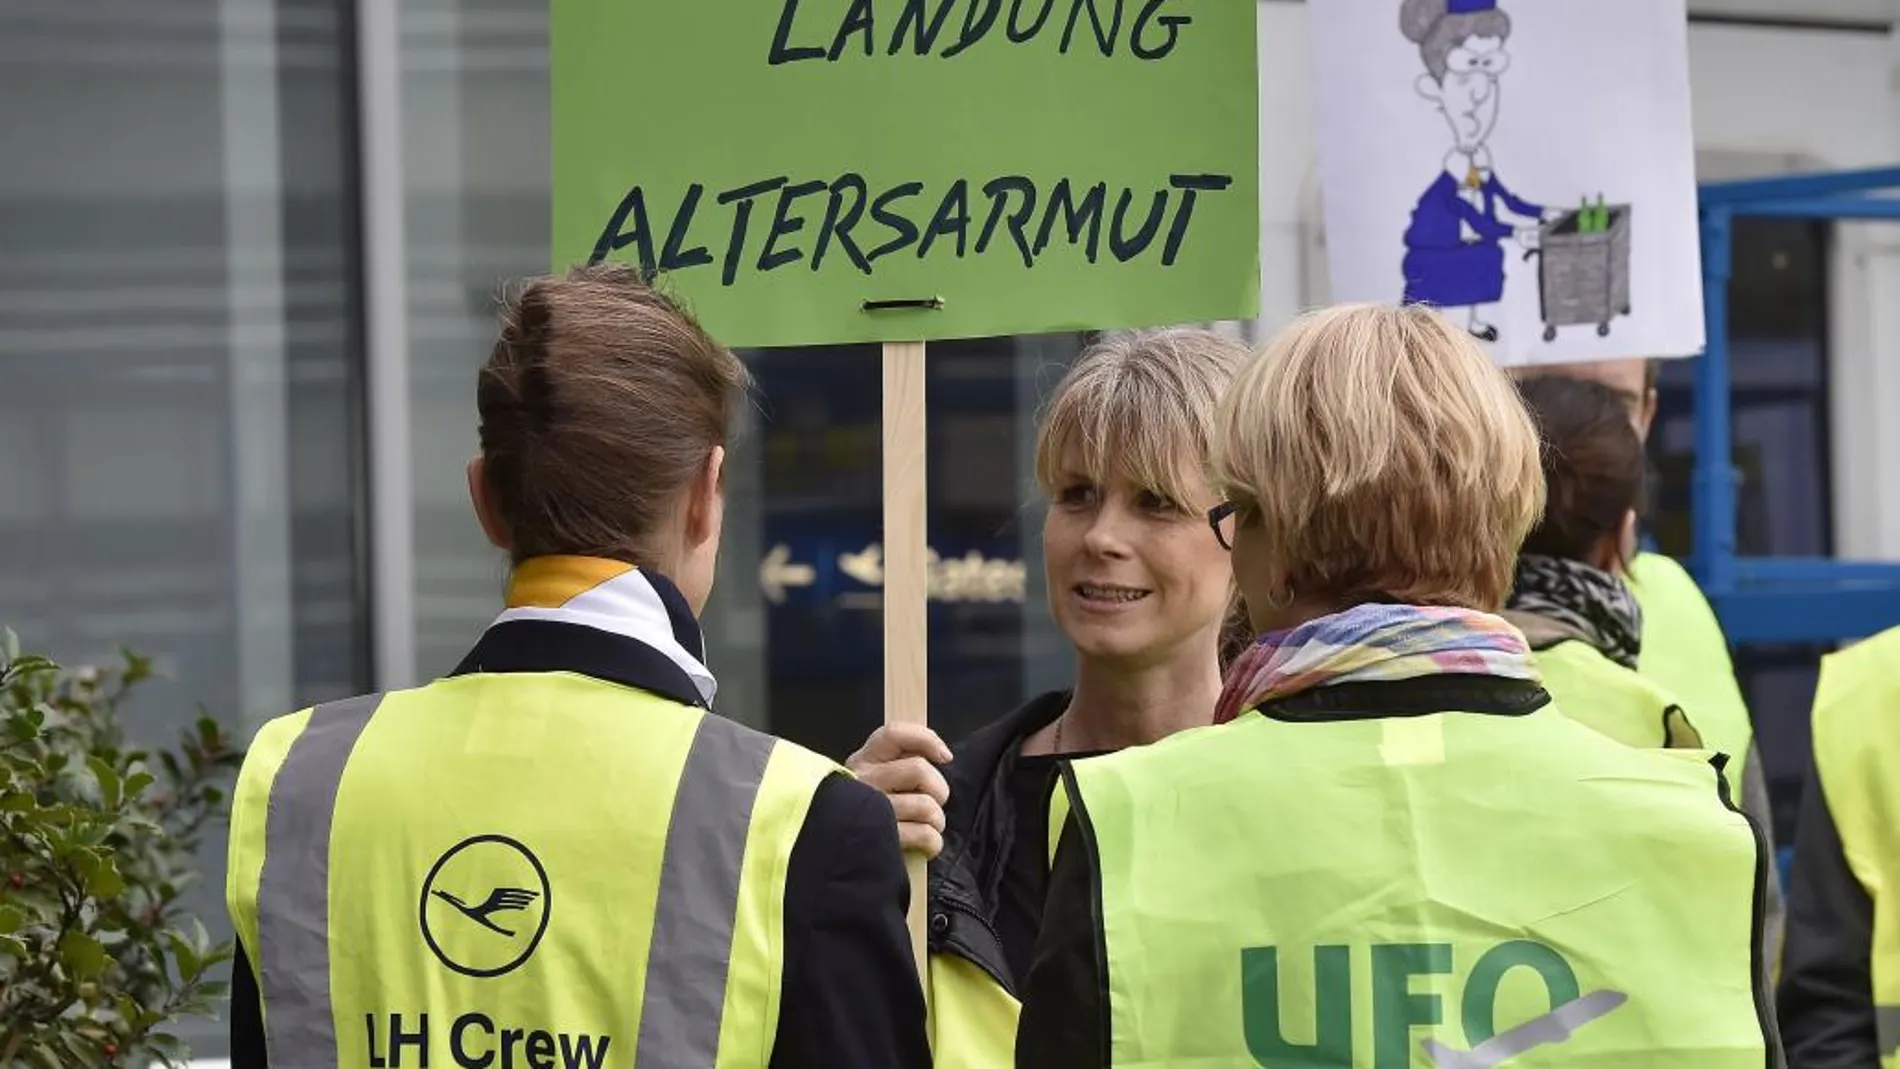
[1528,166]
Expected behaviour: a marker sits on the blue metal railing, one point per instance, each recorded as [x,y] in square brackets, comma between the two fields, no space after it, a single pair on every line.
[1774,599]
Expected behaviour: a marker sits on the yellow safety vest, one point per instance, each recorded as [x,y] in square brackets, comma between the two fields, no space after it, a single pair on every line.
[1596,691]
[1450,890]
[1857,753]
[533,869]
[1685,652]
[972,1019]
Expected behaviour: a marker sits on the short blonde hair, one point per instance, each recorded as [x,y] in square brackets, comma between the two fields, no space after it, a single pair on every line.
[1141,406]
[1385,456]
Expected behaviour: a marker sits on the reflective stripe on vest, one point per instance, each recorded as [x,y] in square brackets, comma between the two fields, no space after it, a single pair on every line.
[1449,890]
[293,895]
[660,893]
[1601,694]
[1685,652]
[1857,754]
[699,892]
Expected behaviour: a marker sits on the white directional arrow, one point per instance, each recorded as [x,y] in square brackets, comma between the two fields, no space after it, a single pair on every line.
[776,572]
[866,565]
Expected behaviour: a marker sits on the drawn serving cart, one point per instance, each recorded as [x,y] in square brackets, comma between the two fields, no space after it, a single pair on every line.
[1583,272]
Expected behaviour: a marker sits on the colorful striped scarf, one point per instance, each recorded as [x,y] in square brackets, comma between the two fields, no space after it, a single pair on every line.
[1373,642]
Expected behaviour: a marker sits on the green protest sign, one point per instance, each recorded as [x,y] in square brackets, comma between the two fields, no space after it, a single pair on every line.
[821,171]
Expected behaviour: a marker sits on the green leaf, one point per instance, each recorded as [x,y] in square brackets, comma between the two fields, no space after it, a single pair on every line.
[81,954]
[17,802]
[136,783]
[195,1007]
[65,842]
[184,954]
[109,781]
[93,832]
[137,668]
[34,899]
[102,876]
[167,1048]
[47,1056]
[13,947]
[84,1050]
[11,920]
[28,678]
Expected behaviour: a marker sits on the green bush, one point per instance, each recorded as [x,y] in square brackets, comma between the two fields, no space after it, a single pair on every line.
[97,843]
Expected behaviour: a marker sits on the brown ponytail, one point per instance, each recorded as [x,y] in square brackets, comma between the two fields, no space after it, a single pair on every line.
[1593,463]
[599,404]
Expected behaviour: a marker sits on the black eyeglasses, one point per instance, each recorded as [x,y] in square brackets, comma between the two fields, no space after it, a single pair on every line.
[1218,515]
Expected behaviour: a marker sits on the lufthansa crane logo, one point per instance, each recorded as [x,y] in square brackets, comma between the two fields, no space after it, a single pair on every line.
[485,906]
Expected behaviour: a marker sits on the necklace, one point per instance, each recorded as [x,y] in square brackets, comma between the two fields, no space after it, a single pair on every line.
[1056,747]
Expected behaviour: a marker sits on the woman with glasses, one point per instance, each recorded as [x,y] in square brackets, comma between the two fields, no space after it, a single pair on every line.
[1141,589]
[1390,848]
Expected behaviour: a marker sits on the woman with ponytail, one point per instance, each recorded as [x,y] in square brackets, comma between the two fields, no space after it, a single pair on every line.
[560,844]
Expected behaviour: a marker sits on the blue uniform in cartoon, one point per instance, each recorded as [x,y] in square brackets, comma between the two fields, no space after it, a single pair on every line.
[1454,256]
[1454,252]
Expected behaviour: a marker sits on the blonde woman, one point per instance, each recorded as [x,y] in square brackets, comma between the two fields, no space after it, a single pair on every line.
[1141,587]
[1388,802]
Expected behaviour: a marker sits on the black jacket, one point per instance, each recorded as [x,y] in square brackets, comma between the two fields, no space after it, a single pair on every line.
[1826,998]
[1066,1021]
[981,823]
[850,997]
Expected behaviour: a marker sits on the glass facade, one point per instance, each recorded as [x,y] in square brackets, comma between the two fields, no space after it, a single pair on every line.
[180,465]
[475,185]
[177,345]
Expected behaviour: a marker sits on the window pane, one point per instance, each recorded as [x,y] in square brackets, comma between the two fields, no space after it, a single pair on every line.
[475,172]
[803,547]
[178,462]
[1779,397]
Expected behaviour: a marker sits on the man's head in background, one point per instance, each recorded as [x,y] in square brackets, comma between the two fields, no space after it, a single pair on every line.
[1634,380]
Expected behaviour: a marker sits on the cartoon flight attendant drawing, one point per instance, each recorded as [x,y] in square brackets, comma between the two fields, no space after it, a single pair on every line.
[1454,253]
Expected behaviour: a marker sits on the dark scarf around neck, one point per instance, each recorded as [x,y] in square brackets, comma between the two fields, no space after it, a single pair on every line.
[1594,604]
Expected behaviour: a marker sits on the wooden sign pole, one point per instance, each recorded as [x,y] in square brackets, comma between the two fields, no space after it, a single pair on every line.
[906,575]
